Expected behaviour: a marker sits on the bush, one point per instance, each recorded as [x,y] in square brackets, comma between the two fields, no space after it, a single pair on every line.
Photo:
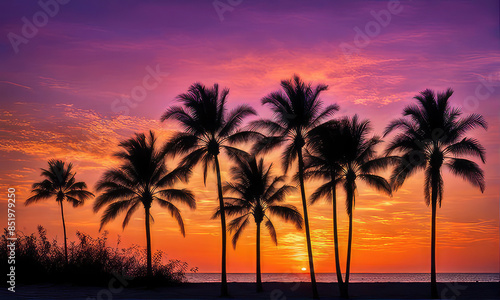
[90,261]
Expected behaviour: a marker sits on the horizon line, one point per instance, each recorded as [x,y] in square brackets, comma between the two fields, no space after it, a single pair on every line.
[344,273]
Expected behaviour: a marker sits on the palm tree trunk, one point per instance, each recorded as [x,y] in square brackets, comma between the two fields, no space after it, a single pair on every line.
[148,245]
[259,279]
[306,222]
[434,291]
[336,242]
[224,291]
[348,263]
[64,230]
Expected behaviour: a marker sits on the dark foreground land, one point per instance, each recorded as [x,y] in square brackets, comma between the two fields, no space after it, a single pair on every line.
[273,291]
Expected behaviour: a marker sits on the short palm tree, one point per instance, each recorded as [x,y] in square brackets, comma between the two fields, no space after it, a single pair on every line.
[60,183]
[297,109]
[207,129]
[258,195]
[343,154]
[431,137]
[141,179]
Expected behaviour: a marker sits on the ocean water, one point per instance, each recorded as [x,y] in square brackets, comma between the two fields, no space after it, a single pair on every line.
[355,277]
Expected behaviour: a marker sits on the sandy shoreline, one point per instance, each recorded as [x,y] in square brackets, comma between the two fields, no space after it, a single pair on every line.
[273,291]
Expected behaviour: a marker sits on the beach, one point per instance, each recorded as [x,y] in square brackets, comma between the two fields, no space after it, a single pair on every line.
[272,290]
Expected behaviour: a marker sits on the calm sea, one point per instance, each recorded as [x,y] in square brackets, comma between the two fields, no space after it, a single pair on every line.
[357,277]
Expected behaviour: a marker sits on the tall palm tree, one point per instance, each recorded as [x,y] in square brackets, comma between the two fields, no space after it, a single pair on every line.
[142,179]
[258,195]
[431,137]
[343,154]
[208,129]
[323,161]
[60,183]
[297,109]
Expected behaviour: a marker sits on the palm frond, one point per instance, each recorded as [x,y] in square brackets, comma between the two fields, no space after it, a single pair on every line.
[130,212]
[235,118]
[469,171]
[231,209]
[377,182]
[272,231]
[323,191]
[244,136]
[327,112]
[113,210]
[288,213]
[267,144]
[280,194]
[174,212]
[113,192]
[189,123]
[184,196]
[466,124]
[468,146]
[271,127]
[180,143]
[80,194]
[408,165]
[380,163]
[39,194]
[75,202]
[237,226]
[179,174]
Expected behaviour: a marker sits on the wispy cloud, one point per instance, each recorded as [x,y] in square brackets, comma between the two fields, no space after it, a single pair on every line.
[15,84]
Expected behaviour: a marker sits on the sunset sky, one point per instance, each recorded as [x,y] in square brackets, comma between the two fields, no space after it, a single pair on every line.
[63,89]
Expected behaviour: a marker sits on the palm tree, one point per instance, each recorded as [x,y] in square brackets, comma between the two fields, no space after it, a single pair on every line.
[431,137]
[208,129]
[323,161]
[142,178]
[259,195]
[343,154]
[61,184]
[297,109]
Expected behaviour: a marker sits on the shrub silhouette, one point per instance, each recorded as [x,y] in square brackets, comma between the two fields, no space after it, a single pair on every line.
[91,261]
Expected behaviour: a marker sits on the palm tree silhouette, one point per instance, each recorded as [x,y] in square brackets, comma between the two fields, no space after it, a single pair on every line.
[297,109]
[208,128]
[256,193]
[61,184]
[342,153]
[323,161]
[142,178]
[432,136]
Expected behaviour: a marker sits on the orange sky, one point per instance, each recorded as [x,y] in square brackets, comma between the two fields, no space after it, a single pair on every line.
[390,234]
[56,93]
